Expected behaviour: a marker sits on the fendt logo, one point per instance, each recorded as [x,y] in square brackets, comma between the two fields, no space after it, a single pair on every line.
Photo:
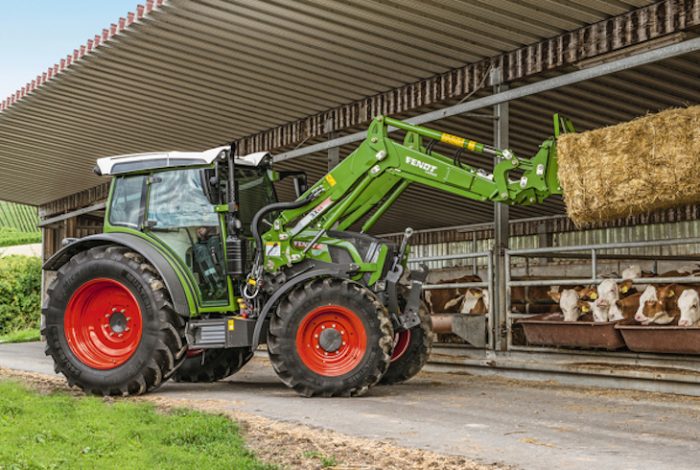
[427,167]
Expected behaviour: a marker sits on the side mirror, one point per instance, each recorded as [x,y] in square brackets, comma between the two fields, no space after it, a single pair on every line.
[301,184]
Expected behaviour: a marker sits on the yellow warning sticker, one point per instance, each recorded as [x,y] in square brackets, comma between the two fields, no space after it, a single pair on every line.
[330,179]
[231,325]
[452,140]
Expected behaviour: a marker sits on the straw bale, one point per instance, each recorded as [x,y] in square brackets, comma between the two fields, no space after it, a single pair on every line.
[647,164]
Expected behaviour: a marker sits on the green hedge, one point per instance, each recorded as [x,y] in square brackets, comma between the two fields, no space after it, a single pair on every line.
[20,293]
[11,237]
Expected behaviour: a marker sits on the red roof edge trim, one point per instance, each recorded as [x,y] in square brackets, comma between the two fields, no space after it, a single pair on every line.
[141,11]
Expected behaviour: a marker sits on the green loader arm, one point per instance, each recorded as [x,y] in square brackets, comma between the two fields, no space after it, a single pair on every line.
[373,177]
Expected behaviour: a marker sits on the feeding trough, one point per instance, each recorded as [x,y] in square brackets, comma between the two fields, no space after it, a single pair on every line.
[551,330]
[661,339]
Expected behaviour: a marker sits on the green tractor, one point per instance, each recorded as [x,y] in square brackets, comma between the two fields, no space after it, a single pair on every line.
[199,264]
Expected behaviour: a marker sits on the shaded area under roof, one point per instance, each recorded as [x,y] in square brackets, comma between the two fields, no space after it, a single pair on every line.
[190,75]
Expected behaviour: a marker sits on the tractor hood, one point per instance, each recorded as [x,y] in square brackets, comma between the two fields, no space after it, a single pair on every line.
[156,160]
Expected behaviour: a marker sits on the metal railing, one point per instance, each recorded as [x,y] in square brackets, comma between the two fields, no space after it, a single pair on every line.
[484,284]
[593,253]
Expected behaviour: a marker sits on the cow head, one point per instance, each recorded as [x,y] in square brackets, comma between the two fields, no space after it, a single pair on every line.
[646,303]
[605,308]
[572,307]
[659,311]
[587,293]
[655,313]
[473,300]
[689,305]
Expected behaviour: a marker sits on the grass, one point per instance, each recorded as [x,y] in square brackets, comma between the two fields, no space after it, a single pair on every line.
[10,236]
[58,430]
[18,238]
[326,461]
[21,336]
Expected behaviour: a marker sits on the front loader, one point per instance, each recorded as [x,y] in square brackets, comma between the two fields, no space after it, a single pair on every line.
[199,264]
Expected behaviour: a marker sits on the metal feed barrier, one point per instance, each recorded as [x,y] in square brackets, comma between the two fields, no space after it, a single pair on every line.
[593,253]
[487,284]
[672,373]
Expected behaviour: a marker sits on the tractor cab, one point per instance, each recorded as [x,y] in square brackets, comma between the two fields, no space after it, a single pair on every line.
[177,200]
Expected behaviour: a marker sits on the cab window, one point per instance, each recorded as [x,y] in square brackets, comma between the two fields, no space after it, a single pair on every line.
[128,200]
[177,200]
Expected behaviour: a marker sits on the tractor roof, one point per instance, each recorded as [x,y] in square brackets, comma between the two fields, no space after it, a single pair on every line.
[121,164]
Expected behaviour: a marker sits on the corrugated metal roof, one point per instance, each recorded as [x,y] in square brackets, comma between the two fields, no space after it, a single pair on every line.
[193,74]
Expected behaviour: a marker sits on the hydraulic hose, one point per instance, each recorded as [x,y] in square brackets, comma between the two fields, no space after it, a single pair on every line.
[254,226]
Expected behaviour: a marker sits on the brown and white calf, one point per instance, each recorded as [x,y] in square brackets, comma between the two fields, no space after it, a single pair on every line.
[574,303]
[474,301]
[659,305]
[452,299]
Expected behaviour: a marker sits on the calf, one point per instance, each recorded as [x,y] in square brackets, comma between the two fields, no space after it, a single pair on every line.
[689,306]
[659,305]
[605,307]
[629,305]
[649,295]
[573,303]
[449,300]
[474,301]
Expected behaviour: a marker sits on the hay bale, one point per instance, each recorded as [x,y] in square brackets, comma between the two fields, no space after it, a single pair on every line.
[647,164]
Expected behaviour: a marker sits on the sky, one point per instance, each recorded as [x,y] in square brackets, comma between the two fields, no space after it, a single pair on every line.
[36,34]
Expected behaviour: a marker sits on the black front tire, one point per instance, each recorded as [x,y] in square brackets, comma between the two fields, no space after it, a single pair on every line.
[161,347]
[213,365]
[306,310]
[414,355]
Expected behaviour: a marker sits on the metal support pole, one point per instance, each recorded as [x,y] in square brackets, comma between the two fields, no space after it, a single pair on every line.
[475,261]
[594,265]
[500,216]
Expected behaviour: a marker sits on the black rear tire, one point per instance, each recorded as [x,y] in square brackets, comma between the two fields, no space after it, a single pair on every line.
[354,354]
[157,353]
[213,365]
[414,355]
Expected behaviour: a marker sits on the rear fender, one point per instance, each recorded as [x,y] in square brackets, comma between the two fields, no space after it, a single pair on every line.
[145,249]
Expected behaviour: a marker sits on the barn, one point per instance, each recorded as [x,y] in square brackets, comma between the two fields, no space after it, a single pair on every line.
[304,79]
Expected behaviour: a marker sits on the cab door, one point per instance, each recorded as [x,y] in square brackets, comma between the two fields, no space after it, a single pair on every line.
[179,214]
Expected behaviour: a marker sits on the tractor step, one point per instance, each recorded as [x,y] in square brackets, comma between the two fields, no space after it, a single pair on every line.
[227,332]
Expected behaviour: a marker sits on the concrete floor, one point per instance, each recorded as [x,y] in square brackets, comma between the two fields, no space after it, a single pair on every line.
[525,424]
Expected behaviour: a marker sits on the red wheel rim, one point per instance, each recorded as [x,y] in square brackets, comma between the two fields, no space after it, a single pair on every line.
[103,323]
[331,340]
[194,352]
[401,342]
